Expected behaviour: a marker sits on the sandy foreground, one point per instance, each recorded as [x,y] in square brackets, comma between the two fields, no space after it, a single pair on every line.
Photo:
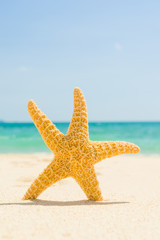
[131,209]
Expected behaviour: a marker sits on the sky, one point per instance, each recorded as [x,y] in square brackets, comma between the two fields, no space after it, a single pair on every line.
[110,49]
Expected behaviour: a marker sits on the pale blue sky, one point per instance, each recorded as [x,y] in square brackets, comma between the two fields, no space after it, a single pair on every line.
[110,49]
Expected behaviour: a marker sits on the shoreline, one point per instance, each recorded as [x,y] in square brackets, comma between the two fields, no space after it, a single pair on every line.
[50,153]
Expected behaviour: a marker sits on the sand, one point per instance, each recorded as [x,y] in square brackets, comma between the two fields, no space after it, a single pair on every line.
[131,209]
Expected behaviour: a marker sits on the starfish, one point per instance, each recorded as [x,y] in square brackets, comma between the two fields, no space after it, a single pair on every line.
[74,154]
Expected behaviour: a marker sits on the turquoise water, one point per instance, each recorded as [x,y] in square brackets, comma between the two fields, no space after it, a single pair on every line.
[25,138]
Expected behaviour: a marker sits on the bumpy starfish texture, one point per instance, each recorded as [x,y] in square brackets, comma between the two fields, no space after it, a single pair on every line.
[74,154]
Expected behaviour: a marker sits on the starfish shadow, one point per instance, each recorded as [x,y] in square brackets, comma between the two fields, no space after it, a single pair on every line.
[62,203]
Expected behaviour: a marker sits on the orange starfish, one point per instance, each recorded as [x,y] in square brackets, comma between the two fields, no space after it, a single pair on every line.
[75,154]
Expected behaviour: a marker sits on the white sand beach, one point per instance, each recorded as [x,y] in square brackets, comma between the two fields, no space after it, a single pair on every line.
[131,210]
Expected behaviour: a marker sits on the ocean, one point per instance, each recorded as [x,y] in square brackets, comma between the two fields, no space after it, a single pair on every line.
[25,138]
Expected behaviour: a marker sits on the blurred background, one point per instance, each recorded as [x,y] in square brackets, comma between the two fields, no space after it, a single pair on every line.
[110,49]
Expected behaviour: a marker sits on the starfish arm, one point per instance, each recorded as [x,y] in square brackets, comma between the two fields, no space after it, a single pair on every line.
[51,174]
[79,121]
[102,150]
[88,182]
[47,129]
